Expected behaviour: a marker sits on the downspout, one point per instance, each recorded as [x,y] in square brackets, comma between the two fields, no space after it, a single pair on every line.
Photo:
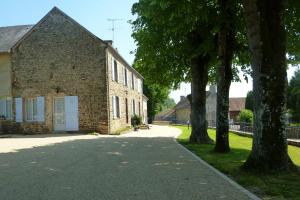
[107,92]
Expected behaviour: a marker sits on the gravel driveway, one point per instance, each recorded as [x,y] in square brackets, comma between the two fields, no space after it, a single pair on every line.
[136,166]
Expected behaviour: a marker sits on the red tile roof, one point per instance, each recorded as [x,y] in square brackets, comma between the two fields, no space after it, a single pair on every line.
[237,103]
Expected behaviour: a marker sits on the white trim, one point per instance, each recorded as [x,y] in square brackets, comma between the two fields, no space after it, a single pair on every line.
[40,109]
[113,78]
[19,109]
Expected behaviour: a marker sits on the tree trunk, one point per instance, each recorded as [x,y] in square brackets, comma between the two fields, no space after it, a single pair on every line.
[199,71]
[267,40]
[226,42]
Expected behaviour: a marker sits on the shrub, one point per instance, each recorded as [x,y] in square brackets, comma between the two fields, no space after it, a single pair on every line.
[136,120]
[246,116]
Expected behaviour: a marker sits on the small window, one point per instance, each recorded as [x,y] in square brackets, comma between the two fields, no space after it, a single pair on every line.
[140,85]
[116,107]
[114,70]
[129,79]
[133,107]
[132,81]
[31,109]
[125,77]
[5,108]
[139,108]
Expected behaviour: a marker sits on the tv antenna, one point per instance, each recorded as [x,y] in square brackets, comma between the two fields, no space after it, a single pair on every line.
[113,20]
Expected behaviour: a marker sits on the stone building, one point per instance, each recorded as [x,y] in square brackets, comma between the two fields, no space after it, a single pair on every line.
[182,111]
[183,107]
[57,76]
[236,104]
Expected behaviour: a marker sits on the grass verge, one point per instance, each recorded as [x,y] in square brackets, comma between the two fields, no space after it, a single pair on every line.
[266,186]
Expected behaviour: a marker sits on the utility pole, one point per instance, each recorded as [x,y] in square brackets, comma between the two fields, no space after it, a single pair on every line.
[113,20]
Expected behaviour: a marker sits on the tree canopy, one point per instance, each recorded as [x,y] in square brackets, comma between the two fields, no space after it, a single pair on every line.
[162,32]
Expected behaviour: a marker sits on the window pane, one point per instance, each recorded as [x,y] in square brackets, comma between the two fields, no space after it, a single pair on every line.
[9,108]
[29,109]
[116,70]
[2,107]
[34,109]
[118,106]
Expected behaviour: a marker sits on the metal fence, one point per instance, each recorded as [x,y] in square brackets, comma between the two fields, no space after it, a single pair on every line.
[293,132]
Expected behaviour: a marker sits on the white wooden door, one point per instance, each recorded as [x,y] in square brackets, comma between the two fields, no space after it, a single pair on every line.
[71,110]
[59,114]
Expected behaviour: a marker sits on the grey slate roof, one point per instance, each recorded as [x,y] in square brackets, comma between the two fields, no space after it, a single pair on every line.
[10,35]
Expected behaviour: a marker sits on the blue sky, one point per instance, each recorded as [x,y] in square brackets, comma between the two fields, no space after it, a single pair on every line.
[92,14]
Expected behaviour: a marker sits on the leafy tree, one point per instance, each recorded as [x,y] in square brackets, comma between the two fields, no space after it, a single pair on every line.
[249,101]
[293,96]
[246,116]
[292,23]
[167,104]
[177,44]
[157,96]
[267,41]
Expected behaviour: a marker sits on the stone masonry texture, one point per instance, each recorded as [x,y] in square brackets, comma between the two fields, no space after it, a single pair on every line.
[60,58]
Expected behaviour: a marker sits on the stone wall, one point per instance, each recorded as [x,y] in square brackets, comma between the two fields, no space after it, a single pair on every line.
[5,77]
[60,58]
[123,92]
[183,115]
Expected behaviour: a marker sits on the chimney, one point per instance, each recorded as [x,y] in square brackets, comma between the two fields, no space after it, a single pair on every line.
[110,42]
[182,98]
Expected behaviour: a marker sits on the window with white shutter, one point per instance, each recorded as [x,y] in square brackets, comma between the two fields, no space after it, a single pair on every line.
[5,108]
[113,70]
[31,109]
[133,81]
[125,77]
[35,109]
[40,109]
[133,107]
[115,107]
[116,71]
[19,109]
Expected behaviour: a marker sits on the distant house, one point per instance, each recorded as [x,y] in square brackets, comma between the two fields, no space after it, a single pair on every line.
[183,107]
[57,76]
[182,111]
[236,104]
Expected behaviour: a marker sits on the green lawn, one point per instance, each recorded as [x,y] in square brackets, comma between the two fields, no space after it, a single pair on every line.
[271,186]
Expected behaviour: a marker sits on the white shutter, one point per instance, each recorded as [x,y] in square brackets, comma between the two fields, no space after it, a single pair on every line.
[71,110]
[40,109]
[117,77]
[114,107]
[118,107]
[120,72]
[3,107]
[124,77]
[113,69]
[19,109]
[127,78]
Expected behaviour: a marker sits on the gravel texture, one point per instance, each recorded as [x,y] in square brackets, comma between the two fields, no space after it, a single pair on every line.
[141,165]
